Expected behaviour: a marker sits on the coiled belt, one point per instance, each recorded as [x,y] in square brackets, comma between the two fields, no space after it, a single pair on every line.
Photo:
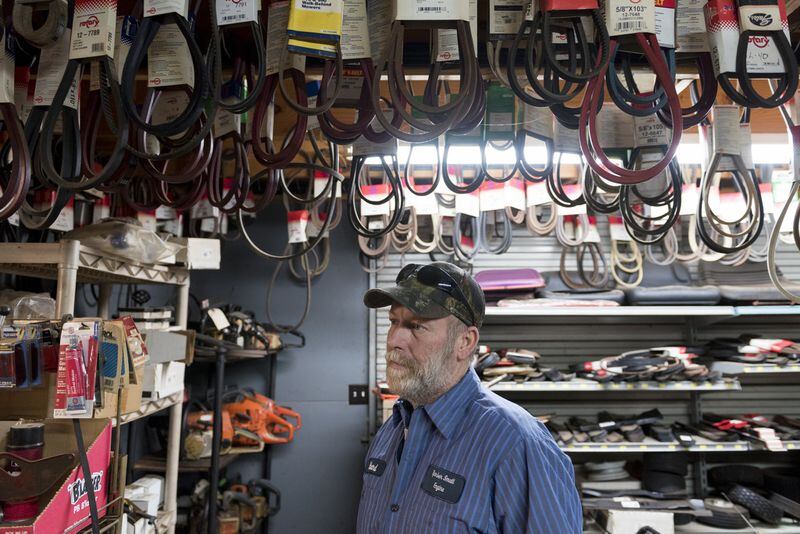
[438,119]
[395,196]
[264,154]
[588,134]
[49,31]
[336,130]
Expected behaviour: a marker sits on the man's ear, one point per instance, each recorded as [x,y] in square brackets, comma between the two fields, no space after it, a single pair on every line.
[467,343]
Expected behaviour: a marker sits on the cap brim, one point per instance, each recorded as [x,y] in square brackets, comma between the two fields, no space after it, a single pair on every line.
[405,296]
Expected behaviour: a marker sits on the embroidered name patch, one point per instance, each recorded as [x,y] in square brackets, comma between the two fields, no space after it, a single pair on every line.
[375,467]
[443,484]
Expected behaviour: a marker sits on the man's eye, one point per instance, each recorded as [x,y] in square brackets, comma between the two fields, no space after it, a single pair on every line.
[416,326]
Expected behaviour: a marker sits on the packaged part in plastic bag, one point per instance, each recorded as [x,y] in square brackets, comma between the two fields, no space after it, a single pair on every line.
[125,238]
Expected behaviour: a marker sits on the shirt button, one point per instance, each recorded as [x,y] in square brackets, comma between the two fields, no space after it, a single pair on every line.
[395,507]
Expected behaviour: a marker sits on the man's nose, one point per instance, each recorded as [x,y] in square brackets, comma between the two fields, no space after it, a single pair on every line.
[397,338]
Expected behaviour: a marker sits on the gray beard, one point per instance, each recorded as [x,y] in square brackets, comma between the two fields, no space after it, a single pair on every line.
[419,384]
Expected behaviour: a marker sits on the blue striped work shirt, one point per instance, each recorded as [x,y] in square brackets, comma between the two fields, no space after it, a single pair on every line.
[471,462]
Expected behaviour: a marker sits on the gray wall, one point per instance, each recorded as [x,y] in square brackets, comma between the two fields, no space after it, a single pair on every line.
[319,473]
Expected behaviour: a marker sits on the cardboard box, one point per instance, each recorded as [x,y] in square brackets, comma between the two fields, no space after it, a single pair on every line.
[170,346]
[163,379]
[198,253]
[66,506]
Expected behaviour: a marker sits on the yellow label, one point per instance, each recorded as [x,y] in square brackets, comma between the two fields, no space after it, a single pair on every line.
[310,48]
[316,19]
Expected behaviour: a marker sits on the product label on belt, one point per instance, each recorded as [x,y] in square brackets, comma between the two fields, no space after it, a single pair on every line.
[469,204]
[499,112]
[423,205]
[169,106]
[691,26]
[759,16]
[726,129]
[723,23]
[746,146]
[297,222]
[321,183]
[615,128]
[491,196]
[650,131]
[355,30]
[168,60]
[236,11]
[689,198]
[204,210]
[665,22]
[315,19]
[126,29]
[565,139]
[447,40]
[277,21]
[65,222]
[573,191]
[505,17]
[426,10]
[659,183]
[617,229]
[51,69]
[592,235]
[536,194]
[352,84]
[364,147]
[766,198]
[7,74]
[379,18]
[93,27]
[226,122]
[154,8]
[23,92]
[626,17]
[448,224]
[514,194]
[377,193]
[447,211]
[731,206]
[538,120]
[94,76]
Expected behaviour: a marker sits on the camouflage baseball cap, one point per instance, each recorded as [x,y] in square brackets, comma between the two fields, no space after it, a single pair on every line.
[433,291]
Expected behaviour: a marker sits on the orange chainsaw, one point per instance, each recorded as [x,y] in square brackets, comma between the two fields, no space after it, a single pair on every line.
[260,419]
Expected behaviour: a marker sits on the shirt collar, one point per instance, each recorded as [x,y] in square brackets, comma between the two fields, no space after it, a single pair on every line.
[449,410]
[401,411]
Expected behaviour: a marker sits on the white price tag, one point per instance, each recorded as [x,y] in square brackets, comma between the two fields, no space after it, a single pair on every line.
[219,319]
[625,17]
[355,30]
[726,130]
[124,35]
[505,17]
[746,146]
[51,69]
[447,40]
[428,10]
[94,25]
[617,229]
[168,59]
[565,139]
[538,120]
[166,213]
[573,191]
[226,122]
[376,193]
[277,38]
[665,23]
[491,196]
[650,131]
[153,8]
[469,204]
[691,26]
[514,192]
[379,17]
[592,235]
[445,211]
[236,11]
[65,222]
[296,222]
[537,194]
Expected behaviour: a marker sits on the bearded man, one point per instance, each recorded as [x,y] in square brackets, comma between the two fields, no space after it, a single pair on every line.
[455,457]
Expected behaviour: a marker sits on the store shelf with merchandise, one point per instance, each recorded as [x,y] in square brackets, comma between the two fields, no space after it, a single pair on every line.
[786,527]
[70,263]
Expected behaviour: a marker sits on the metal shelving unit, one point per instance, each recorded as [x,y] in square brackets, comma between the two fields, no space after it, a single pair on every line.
[581,384]
[70,263]
[149,408]
[651,445]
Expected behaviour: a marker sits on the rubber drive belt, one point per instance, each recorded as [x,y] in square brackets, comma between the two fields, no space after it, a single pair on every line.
[436,119]
[588,130]
[115,118]
[752,18]
[148,28]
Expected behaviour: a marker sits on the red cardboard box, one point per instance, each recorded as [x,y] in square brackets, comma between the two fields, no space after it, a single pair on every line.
[66,506]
